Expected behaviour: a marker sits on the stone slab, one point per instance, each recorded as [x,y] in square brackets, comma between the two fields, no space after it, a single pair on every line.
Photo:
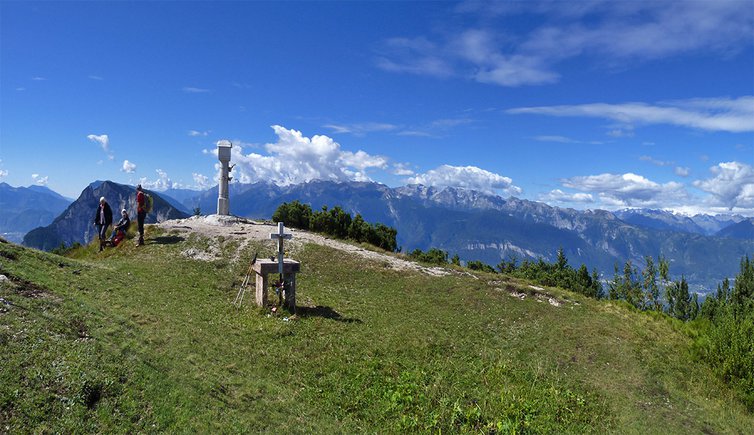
[266,266]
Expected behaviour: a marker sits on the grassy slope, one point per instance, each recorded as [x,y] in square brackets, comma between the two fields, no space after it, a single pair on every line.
[145,339]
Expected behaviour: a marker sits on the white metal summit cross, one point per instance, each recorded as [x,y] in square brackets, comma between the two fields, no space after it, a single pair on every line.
[280,236]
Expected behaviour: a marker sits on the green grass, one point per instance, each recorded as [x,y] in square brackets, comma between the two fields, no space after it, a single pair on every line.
[144,339]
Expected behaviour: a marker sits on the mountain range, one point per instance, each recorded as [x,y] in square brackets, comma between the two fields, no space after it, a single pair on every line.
[666,220]
[75,224]
[475,225]
[489,228]
[25,208]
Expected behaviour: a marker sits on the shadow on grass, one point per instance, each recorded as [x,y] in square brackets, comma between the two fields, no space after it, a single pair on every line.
[326,312]
[166,240]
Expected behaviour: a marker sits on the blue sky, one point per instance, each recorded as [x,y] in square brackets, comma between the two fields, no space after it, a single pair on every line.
[586,104]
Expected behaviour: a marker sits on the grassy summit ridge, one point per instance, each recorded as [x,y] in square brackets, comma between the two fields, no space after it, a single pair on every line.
[147,340]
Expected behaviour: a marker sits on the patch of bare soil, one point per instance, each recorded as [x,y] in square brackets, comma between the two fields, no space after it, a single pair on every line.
[532,291]
[245,230]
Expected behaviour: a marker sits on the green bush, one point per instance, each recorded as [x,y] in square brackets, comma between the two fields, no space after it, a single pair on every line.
[336,222]
[433,256]
[727,341]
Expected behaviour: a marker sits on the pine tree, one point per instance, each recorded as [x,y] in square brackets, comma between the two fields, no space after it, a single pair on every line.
[615,286]
[651,290]
[562,261]
[456,260]
[597,290]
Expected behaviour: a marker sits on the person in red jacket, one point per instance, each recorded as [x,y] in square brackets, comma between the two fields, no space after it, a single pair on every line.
[141,213]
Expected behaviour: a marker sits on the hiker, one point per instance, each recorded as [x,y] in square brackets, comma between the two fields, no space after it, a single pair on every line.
[141,213]
[119,232]
[103,218]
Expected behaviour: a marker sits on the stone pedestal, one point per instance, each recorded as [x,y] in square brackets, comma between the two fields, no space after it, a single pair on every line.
[262,268]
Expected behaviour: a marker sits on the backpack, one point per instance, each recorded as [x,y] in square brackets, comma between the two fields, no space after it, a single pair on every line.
[148,203]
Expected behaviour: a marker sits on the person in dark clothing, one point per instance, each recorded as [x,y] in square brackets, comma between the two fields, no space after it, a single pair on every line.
[141,213]
[122,224]
[103,218]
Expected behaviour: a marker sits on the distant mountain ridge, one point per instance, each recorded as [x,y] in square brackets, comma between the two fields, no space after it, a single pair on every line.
[75,224]
[741,230]
[25,208]
[475,225]
[666,220]
[482,226]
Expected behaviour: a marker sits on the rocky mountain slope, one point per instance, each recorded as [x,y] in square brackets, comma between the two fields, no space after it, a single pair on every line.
[75,224]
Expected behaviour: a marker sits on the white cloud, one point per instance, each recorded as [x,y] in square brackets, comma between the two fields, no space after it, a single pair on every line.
[629,190]
[561,197]
[415,133]
[414,56]
[201,182]
[295,158]
[656,162]
[402,170]
[612,33]
[193,90]
[128,167]
[468,177]
[625,131]
[196,133]
[96,77]
[40,180]
[38,79]
[712,114]
[360,129]
[472,54]
[682,171]
[104,141]
[162,183]
[559,139]
[3,173]
[732,185]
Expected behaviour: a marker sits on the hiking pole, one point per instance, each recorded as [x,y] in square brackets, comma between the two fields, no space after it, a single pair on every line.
[241,291]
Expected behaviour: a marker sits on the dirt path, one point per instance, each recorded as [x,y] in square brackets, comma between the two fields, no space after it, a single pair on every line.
[246,230]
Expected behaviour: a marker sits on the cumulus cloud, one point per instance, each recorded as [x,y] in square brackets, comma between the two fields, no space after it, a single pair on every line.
[161,183]
[295,158]
[201,182]
[3,173]
[128,167]
[402,170]
[40,180]
[103,141]
[711,114]
[558,196]
[731,186]
[468,177]
[613,33]
[629,190]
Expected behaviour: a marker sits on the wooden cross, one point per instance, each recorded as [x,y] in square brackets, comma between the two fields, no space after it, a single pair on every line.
[280,236]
